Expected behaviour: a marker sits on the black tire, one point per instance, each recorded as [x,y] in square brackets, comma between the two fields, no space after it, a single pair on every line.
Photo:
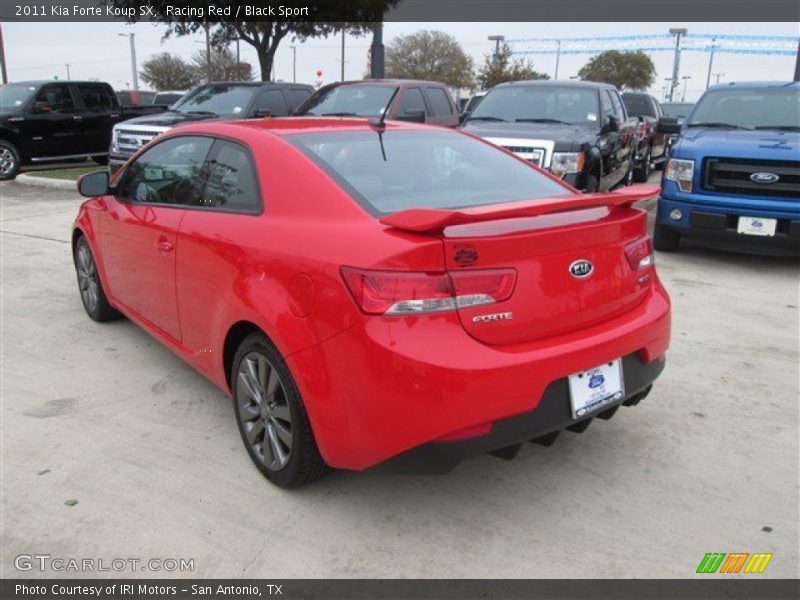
[90,286]
[10,161]
[642,172]
[266,419]
[665,239]
[100,160]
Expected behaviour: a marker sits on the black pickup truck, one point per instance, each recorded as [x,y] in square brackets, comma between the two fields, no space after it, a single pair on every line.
[43,121]
[579,131]
[220,100]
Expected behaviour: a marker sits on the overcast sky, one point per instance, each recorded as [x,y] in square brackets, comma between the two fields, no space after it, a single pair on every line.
[94,50]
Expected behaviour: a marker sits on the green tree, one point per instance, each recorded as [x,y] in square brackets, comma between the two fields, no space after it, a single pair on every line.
[430,55]
[265,35]
[626,70]
[167,72]
[504,67]
[222,66]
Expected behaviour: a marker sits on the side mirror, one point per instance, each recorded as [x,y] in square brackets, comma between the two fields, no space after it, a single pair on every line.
[93,184]
[412,116]
[668,125]
[40,106]
[612,124]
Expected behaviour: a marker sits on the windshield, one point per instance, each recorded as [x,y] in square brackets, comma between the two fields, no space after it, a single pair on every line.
[680,110]
[544,103]
[397,170]
[222,99]
[749,108]
[15,95]
[348,100]
[638,105]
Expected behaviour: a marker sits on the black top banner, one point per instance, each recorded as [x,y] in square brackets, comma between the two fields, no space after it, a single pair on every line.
[402,10]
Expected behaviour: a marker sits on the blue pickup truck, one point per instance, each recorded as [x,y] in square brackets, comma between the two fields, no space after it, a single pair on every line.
[733,175]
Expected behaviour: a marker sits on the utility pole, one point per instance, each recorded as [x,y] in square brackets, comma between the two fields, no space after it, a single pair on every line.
[685,79]
[496,39]
[207,27]
[294,63]
[238,62]
[718,75]
[134,75]
[3,70]
[376,53]
[677,32]
[68,66]
[558,58]
[342,53]
[796,63]
[710,62]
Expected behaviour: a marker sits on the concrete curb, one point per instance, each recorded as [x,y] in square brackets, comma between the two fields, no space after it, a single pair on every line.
[59,184]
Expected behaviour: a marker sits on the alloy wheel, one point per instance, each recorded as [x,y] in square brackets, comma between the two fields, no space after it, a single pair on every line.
[264,412]
[87,278]
[8,161]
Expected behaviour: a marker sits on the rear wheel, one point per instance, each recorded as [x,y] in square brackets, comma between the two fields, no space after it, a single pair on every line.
[9,160]
[665,239]
[642,172]
[91,288]
[271,416]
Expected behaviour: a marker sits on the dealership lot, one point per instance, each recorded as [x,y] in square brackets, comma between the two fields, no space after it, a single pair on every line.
[104,415]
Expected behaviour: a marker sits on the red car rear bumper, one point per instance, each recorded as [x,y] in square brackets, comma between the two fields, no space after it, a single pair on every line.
[389,385]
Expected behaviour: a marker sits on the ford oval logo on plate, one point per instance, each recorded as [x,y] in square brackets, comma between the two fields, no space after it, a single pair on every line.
[764,177]
[581,268]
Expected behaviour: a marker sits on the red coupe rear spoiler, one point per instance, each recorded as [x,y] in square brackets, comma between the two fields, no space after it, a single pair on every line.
[434,219]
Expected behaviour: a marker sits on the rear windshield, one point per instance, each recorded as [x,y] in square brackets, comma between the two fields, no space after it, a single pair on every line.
[638,105]
[348,100]
[423,169]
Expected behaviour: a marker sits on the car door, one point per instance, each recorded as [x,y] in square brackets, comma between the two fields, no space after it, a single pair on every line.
[139,230]
[608,143]
[98,117]
[295,96]
[270,102]
[442,111]
[51,126]
[623,141]
[410,102]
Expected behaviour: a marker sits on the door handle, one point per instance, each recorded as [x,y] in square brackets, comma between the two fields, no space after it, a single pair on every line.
[164,246]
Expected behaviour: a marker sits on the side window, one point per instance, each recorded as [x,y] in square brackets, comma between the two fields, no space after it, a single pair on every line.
[411,102]
[657,107]
[440,104]
[169,173]
[230,179]
[608,107]
[94,97]
[297,96]
[272,101]
[619,112]
[56,97]
[124,98]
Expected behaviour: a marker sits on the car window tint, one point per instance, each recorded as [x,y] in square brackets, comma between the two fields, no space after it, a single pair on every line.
[440,105]
[619,112]
[168,173]
[608,107]
[94,97]
[411,102]
[427,169]
[639,105]
[272,101]
[124,98]
[297,96]
[230,179]
[57,97]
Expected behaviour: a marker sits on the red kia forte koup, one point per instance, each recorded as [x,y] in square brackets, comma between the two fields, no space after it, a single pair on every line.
[377,293]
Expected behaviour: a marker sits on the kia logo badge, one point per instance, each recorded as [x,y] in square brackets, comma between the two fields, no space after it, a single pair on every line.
[581,268]
[764,177]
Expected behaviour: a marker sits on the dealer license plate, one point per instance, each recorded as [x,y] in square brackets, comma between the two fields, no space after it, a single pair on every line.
[591,390]
[757,226]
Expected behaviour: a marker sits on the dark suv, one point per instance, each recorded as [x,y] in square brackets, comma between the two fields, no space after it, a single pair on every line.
[223,100]
[579,131]
[411,100]
[652,147]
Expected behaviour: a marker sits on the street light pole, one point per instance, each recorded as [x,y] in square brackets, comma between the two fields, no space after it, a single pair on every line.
[3,69]
[710,62]
[376,65]
[134,75]
[718,75]
[685,79]
[294,63]
[342,54]
[68,66]
[496,39]
[677,32]
[558,58]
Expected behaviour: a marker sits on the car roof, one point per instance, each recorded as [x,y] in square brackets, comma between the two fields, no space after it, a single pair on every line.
[44,81]
[282,126]
[556,83]
[398,82]
[257,84]
[756,85]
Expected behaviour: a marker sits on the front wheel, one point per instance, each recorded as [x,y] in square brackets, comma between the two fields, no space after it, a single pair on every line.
[10,162]
[665,239]
[271,416]
[93,296]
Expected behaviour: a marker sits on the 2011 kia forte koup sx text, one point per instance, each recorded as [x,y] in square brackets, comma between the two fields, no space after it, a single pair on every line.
[375,292]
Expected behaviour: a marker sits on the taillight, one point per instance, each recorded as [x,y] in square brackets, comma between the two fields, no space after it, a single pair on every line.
[641,131]
[639,253]
[409,293]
